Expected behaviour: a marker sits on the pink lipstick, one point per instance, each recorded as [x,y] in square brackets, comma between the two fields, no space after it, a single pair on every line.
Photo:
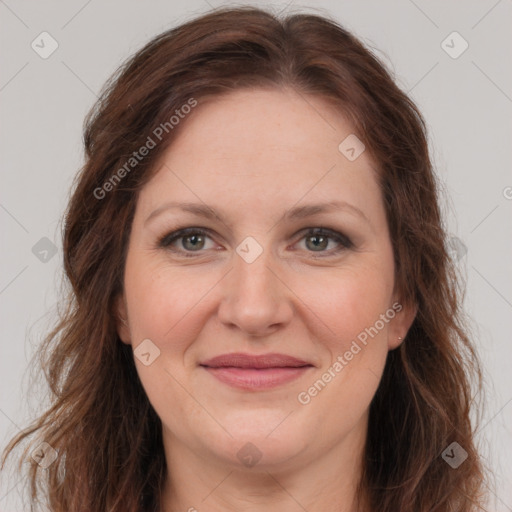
[256,372]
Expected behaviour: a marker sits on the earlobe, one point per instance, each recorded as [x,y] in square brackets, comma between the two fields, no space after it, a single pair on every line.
[123,329]
[401,324]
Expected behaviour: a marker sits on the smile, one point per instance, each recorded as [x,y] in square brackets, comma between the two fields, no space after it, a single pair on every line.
[252,372]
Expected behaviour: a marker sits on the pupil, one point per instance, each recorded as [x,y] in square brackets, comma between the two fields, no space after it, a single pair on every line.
[319,237]
[195,238]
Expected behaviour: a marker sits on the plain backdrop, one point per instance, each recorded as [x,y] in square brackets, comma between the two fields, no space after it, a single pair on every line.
[465,97]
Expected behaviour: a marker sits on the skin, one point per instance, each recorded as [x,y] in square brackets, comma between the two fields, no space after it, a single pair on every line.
[252,155]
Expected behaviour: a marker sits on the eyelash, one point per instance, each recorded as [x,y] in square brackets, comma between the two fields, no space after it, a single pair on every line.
[167,240]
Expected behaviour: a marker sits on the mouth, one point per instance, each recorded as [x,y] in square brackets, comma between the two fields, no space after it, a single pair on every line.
[251,372]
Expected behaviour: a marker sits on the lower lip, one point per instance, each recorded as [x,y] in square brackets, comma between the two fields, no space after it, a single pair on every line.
[256,379]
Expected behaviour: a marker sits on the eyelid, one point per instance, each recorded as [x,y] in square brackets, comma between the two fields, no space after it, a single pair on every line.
[333,234]
[176,234]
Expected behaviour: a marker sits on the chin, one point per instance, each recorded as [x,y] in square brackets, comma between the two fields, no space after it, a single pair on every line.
[262,440]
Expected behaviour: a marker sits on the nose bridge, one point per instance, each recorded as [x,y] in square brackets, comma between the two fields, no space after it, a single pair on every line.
[254,276]
[255,299]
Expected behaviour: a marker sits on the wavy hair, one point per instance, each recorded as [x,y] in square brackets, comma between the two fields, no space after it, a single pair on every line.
[100,422]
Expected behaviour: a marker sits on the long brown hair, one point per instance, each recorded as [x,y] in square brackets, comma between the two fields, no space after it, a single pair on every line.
[100,422]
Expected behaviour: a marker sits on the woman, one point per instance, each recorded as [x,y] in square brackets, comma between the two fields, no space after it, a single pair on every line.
[263,314]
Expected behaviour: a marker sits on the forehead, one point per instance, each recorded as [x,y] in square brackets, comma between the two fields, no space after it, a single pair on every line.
[261,148]
[247,121]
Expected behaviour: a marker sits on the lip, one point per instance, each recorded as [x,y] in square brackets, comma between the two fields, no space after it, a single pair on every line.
[256,372]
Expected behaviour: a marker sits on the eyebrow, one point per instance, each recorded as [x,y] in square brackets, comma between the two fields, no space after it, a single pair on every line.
[296,213]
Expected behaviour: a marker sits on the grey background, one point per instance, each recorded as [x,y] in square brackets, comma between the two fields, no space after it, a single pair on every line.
[467,103]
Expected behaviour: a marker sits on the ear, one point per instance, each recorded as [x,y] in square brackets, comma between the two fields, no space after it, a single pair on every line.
[399,325]
[121,316]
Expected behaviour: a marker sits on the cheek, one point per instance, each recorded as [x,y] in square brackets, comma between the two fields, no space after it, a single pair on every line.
[166,303]
[165,307]
[350,303]
[348,300]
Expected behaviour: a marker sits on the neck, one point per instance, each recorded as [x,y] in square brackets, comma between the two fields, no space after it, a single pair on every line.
[327,481]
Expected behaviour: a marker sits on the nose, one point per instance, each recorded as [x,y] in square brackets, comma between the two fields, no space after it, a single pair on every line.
[256,298]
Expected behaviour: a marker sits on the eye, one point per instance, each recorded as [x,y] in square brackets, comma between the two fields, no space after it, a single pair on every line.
[193,239]
[320,238]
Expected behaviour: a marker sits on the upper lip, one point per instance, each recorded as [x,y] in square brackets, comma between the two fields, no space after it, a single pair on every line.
[240,360]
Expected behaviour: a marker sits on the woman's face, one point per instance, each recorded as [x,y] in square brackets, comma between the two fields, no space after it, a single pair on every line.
[254,282]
